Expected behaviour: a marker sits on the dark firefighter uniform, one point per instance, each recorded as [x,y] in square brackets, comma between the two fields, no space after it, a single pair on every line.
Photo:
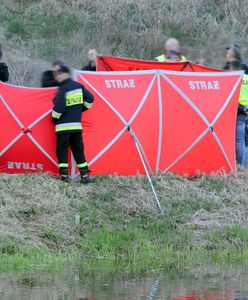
[71,100]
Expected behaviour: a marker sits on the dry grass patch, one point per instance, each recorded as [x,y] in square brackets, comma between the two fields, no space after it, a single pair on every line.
[39,210]
[66,29]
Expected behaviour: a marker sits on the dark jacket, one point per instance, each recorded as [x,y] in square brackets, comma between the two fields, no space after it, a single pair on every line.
[89,67]
[244,67]
[71,100]
[48,80]
[4,72]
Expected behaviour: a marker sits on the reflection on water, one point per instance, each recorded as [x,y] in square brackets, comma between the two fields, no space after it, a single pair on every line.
[213,295]
[197,284]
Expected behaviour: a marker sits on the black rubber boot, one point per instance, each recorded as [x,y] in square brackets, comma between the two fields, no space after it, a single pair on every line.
[64,175]
[65,178]
[87,179]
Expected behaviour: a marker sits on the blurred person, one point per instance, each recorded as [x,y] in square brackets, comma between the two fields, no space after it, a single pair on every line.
[4,71]
[234,53]
[91,66]
[242,116]
[71,100]
[173,56]
[48,78]
[171,44]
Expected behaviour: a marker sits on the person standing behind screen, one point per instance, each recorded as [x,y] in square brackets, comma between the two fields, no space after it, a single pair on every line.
[4,71]
[171,45]
[242,116]
[91,66]
[234,53]
[48,78]
[173,56]
[71,100]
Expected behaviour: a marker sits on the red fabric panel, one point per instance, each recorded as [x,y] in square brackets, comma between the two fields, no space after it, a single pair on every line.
[27,105]
[110,63]
[122,157]
[183,125]
[109,145]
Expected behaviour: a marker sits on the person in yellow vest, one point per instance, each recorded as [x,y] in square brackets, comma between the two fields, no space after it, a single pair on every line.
[171,45]
[242,116]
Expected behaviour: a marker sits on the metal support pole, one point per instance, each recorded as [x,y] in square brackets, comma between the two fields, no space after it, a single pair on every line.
[145,168]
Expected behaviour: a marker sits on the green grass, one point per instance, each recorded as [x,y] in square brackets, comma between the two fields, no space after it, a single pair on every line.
[213,184]
[50,235]
[135,249]
[120,222]
[228,237]
[134,29]
[139,247]
[8,246]
[165,259]
[34,27]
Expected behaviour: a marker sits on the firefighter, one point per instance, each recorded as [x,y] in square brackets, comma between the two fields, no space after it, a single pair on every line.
[71,100]
[170,45]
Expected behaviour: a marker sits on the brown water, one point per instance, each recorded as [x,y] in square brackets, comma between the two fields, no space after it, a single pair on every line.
[196,284]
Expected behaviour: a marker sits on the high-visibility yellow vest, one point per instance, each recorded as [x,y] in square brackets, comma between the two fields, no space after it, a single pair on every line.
[162,58]
[243,96]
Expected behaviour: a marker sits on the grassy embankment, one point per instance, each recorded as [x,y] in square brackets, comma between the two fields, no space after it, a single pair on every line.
[204,221]
[204,218]
[35,32]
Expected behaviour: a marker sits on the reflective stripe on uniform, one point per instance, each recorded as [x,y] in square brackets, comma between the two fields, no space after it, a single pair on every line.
[83,165]
[243,101]
[56,114]
[243,96]
[73,92]
[63,165]
[74,97]
[87,104]
[68,126]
